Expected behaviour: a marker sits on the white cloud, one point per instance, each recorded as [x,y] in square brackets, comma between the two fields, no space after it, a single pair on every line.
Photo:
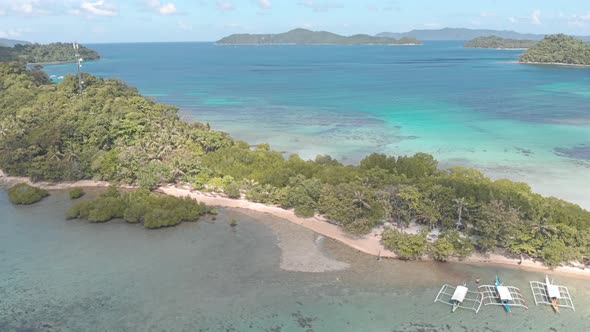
[265,4]
[99,8]
[225,6]
[512,19]
[579,21]
[167,8]
[25,7]
[536,17]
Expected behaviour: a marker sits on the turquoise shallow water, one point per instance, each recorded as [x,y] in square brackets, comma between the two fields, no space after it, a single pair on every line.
[58,275]
[466,106]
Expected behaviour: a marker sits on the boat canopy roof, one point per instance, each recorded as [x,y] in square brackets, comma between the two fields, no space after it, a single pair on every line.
[459,293]
[504,293]
[553,291]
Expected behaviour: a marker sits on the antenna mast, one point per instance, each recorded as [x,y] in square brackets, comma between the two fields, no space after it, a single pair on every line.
[79,65]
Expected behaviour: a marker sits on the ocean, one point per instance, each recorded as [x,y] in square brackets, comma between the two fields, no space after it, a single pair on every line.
[71,275]
[472,107]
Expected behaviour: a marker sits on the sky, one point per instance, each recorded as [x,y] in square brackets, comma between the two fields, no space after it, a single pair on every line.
[103,21]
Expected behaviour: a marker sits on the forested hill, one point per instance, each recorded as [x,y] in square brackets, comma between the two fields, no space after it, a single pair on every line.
[307,37]
[11,42]
[560,49]
[497,42]
[110,132]
[38,53]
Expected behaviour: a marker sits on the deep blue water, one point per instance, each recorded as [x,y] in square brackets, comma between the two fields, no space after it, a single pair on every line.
[472,107]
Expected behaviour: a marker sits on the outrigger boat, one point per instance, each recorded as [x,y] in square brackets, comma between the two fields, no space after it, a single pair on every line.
[498,294]
[553,292]
[459,296]
[503,293]
[550,294]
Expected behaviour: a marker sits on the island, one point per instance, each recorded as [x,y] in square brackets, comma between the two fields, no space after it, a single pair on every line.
[46,53]
[110,133]
[558,49]
[308,37]
[499,43]
[463,34]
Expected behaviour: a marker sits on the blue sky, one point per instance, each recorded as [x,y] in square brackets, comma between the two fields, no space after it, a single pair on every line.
[206,20]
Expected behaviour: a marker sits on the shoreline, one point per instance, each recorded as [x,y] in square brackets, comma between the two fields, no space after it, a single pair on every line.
[551,64]
[57,62]
[498,48]
[369,244]
[320,44]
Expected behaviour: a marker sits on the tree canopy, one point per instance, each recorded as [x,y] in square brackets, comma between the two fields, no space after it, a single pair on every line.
[54,52]
[558,49]
[498,42]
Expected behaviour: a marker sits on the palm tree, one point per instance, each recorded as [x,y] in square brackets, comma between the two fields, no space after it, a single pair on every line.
[460,203]
[360,203]
[359,200]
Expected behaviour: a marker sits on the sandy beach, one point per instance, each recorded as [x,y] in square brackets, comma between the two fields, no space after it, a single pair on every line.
[369,244]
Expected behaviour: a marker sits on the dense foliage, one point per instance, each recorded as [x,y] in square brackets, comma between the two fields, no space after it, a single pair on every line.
[307,37]
[141,206]
[497,42]
[54,52]
[48,131]
[24,194]
[76,193]
[558,49]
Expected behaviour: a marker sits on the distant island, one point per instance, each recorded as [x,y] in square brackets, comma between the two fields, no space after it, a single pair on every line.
[308,37]
[11,42]
[558,49]
[464,34]
[42,53]
[501,43]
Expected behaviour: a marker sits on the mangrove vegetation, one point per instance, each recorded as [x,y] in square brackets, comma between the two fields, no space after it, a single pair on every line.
[140,206]
[24,194]
[49,131]
[76,193]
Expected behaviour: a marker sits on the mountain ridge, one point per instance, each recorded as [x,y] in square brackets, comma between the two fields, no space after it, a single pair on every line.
[307,37]
[11,42]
